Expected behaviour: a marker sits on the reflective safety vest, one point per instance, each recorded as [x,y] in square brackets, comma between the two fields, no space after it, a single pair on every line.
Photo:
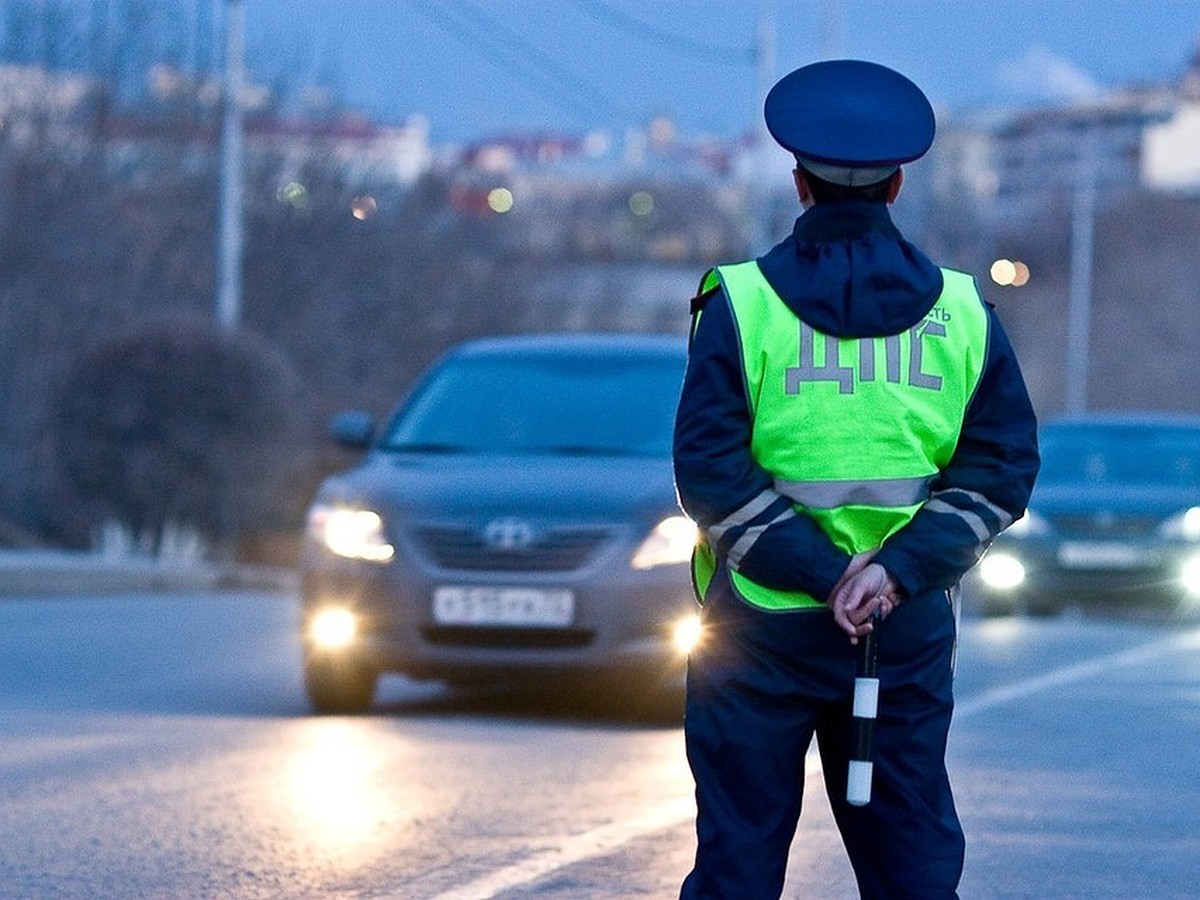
[854,430]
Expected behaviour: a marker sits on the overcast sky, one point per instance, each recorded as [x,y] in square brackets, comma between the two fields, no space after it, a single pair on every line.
[479,67]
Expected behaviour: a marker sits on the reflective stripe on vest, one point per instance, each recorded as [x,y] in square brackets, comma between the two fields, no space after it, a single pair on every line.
[854,430]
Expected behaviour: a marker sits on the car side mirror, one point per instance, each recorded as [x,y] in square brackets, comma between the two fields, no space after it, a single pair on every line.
[353,429]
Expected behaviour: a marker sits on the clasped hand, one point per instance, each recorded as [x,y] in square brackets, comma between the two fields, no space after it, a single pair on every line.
[864,587]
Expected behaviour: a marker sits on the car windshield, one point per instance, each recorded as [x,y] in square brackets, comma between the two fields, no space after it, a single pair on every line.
[1121,455]
[618,405]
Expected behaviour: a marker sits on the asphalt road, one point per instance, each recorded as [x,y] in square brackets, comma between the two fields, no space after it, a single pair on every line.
[157,745]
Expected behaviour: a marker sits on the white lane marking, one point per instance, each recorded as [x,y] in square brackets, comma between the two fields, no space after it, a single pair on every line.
[607,838]
[1078,672]
[573,848]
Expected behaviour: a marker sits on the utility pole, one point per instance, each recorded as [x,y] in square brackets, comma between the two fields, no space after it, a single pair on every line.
[760,238]
[229,225]
[1079,303]
[764,55]
[831,30]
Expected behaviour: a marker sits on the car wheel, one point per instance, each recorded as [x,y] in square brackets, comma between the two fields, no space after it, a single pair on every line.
[336,684]
[645,696]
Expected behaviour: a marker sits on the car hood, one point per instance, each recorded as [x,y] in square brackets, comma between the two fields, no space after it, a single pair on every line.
[469,486]
[1160,500]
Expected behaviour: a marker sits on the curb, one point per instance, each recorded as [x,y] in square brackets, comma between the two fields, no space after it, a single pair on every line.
[39,573]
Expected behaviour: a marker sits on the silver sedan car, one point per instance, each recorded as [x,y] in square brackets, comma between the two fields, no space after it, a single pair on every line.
[515,521]
[1114,520]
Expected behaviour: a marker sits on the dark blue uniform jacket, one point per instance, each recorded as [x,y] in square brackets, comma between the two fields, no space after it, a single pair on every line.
[847,271]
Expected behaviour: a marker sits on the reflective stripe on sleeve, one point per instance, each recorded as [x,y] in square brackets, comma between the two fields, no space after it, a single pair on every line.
[743,544]
[742,516]
[973,520]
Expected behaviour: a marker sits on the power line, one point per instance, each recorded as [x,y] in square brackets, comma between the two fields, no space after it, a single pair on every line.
[548,63]
[471,26]
[733,56]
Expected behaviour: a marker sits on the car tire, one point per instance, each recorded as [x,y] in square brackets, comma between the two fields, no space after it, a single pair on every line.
[339,685]
[647,696]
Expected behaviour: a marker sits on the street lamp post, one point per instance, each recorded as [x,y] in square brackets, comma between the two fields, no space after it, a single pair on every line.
[1079,304]
[229,238]
[758,184]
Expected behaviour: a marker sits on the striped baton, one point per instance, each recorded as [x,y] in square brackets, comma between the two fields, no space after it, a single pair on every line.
[866,705]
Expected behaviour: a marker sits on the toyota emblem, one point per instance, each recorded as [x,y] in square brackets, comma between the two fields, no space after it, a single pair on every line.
[508,534]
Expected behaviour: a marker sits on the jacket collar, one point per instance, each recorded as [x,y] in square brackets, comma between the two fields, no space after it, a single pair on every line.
[842,220]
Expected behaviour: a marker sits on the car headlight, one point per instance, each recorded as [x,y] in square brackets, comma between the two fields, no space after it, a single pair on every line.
[686,633]
[333,628]
[1182,526]
[1001,571]
[1029,524]
[350,532]
[1189,576]
[670,542]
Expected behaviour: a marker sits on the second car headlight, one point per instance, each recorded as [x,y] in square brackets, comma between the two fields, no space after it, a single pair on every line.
[670,542]
[1184,525]
[1189,576]
[350,532]
[1001,571]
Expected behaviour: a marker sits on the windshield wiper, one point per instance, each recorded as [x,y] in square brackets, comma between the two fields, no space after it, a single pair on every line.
[430,447]
[582,450]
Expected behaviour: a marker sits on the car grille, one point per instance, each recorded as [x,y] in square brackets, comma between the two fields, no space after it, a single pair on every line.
[508,638]
[554,550]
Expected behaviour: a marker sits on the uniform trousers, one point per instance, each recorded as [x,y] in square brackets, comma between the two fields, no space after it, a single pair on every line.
[760,687]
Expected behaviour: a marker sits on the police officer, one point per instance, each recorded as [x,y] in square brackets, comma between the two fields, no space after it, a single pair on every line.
[853,432]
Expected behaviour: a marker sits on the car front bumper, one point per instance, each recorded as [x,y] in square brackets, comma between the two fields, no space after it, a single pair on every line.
[1054,575]
[621,620]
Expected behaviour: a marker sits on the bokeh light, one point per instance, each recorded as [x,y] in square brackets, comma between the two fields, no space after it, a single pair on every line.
[1010,273]
[641,203]
[293,194]
[500,199]
[363,207]
[1003,272]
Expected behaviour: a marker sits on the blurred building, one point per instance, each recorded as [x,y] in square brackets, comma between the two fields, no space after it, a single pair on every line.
[36,103]
[69,112]
[1171,151]
[655,148]
[362,150]
[1014,164]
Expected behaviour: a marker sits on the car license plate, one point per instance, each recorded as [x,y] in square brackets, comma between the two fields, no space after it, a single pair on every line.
[471,605]
[1101,555]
